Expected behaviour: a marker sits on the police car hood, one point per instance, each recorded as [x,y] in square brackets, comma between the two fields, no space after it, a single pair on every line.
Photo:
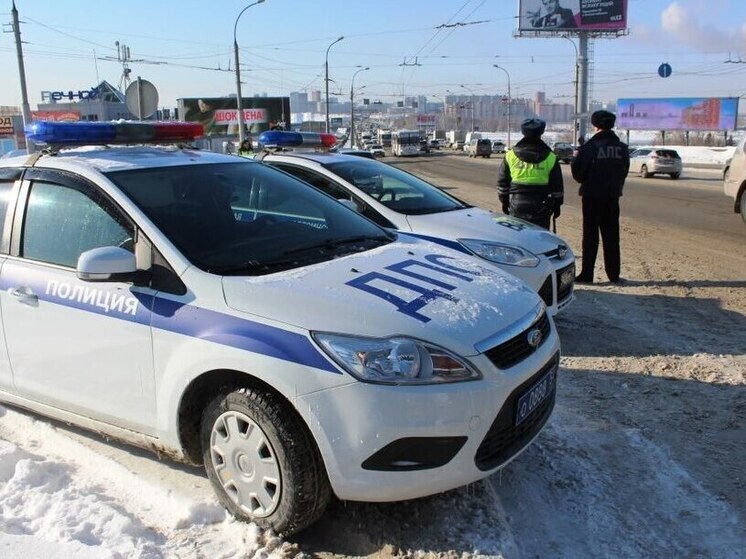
[481,224]
[408,288]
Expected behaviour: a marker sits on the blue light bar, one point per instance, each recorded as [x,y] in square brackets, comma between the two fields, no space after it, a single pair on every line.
[98,133]
[279,138]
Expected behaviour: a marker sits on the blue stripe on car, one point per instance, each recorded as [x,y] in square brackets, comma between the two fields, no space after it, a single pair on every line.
[188,320]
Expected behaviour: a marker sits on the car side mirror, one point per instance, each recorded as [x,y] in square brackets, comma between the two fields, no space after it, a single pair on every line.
[107,264]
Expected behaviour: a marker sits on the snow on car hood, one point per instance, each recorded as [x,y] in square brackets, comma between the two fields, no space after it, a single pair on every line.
[409,287]
[478,223]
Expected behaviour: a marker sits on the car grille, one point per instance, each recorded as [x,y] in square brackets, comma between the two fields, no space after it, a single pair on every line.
[517,348]
[504,439]
[546,292]
[564,292]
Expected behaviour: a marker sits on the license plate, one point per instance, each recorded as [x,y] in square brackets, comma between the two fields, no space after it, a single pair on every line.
[566,277]
[536,395]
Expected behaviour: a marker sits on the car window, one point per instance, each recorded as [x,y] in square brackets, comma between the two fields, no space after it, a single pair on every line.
[244,218]
[63,222]
[641,152]
[669,153]
[319,181]
[5,191]
[394,188]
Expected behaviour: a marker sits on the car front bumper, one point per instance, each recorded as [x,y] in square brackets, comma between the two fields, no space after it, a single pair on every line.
[470,425]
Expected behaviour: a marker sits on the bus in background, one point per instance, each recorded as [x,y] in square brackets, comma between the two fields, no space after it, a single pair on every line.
[384,137]
[405,142]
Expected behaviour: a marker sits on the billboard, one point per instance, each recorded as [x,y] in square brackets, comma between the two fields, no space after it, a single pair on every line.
[426,120]
[57,116]
[6,126]
[678,113]
[561,16]
[219,116]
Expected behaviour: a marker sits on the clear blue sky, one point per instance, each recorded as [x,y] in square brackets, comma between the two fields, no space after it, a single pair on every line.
[283,44]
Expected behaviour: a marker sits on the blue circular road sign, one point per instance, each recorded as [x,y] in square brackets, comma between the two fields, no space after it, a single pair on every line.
[664,70]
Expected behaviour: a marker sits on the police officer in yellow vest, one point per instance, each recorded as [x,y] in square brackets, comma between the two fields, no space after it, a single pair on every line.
[529,183]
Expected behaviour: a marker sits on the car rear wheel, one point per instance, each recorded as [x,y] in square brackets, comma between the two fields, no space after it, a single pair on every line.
[644,172]
[262,461]
[675,176]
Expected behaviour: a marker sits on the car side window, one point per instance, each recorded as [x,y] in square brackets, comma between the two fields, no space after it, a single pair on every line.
[62,222]
[337,192]
[319,181]
[5,192]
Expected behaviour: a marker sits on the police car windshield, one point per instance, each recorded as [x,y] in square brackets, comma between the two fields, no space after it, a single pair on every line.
[394,188]
[245,218]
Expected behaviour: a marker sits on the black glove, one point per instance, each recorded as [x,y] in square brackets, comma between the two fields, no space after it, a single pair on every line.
[556,212]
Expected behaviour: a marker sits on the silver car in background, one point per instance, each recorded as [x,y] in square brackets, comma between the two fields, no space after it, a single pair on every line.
[651,161]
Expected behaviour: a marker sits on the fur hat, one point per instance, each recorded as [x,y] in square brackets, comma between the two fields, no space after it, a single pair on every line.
[533,127]
[603,120]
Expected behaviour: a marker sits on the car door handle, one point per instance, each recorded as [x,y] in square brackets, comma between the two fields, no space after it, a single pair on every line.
[24,295]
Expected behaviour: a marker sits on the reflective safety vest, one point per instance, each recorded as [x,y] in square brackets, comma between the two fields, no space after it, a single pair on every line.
[523,172]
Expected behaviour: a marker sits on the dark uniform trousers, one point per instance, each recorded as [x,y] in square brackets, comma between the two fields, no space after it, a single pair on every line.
[601,214]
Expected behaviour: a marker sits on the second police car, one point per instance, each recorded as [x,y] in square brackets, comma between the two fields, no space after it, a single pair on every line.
[397,199]
[225,313]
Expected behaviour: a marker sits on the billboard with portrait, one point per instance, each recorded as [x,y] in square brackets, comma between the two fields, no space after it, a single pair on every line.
[562,16]
[219,116]
[678,113]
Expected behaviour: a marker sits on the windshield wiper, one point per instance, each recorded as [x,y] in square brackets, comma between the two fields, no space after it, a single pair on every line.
[333,244]
[256,268]
[317,253]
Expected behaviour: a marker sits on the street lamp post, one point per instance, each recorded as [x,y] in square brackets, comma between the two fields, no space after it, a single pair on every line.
[509,98]
[575,129]
[472,105]
[326,79]
[239,103]
[352,106]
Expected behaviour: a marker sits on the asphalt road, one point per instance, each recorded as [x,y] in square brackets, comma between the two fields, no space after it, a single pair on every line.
[694,205]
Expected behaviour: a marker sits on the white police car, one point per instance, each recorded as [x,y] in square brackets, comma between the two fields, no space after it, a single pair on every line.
[222,312]
[394,198]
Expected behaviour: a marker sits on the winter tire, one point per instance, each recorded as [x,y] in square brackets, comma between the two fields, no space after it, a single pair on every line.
[262,461]
[644,172]
[675,176]
[743,207]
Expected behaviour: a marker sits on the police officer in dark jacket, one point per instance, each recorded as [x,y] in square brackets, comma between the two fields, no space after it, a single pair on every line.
[529,182]
[601,167]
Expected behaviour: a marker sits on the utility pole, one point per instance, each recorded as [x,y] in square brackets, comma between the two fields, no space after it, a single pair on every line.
[21,72]
[583,83]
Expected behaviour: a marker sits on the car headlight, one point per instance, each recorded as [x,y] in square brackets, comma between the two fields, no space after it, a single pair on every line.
[501,253]
[397,360]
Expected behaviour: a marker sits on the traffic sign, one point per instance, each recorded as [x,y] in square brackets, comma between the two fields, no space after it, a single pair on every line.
[664,70]
[141,98]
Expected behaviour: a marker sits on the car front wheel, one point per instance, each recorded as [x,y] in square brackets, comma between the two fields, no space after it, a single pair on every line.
[262,461]
[644,172]
[675,176]
[743,207]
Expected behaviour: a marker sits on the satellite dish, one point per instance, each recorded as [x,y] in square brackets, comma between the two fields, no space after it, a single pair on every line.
[141,98]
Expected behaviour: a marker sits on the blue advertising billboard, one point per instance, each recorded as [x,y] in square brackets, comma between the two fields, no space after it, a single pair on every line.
[678,113]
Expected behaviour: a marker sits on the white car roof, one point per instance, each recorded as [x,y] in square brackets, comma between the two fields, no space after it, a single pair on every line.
[105,158]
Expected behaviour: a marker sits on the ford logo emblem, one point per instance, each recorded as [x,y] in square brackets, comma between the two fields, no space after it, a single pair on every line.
[562,251]
[534,337]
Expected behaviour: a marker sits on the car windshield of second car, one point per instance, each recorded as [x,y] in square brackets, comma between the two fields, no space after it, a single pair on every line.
[246,218]
[394,188]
